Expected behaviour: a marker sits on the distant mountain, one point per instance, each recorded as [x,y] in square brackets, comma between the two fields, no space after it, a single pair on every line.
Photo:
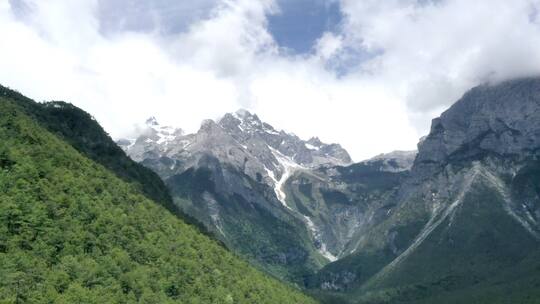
[231,175]
[257,148]
[464,225]
[455,222]
[74,231]
[396,161]
[243,178]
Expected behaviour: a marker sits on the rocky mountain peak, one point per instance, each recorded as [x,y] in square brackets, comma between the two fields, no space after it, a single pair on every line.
[247,128]
[161,133]
[245,115]
[242,122]
[395,161]
[472,184]
[240,139]
[502,119]
[315,142]
[209,125]
[245,157]
[152,121]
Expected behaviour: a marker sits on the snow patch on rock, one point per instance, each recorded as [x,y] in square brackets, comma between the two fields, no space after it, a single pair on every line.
[288,166]
[316,234]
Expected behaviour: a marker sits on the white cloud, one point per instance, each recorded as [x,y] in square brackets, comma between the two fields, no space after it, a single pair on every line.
[328,45]
[121,79]
[167,16]
[432,51]
[358,114]
[429,55]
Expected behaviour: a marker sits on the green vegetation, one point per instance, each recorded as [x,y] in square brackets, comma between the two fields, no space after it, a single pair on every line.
[72,231]
[332,203]
[272,240]
[478,255]
[83,133]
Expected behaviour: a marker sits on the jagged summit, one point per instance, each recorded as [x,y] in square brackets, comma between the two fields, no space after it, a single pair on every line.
[244,155]
[315,141]
[395,161]
[241,121]
[241,130]
[242,113]
[469,205]
[152,121]
[285,201]
[244,121]
[501,120]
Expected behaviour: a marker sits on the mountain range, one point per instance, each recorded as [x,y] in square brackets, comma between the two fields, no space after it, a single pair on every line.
[463,227]
[170,217]
[455,220]
[80,222]
[232,175]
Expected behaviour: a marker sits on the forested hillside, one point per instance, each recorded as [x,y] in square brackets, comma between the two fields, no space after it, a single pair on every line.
[71,231]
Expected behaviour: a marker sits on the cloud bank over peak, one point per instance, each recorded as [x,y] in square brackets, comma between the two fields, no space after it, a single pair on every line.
[370,78]
[435,50]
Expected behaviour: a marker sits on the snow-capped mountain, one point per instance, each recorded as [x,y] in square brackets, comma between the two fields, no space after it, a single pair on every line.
[243,168]
[151,138]
[296,206]
[238,139]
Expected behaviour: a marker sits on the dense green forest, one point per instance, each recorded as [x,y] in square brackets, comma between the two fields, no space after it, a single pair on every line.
[73,231]
[83,133]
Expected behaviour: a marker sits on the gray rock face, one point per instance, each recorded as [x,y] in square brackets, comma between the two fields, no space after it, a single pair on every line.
[491,135]
[310,182]
[240,139]
[472,181]
[341,203]
[233,175]
[290,201]
[248,129]
[500,120]
[396,161]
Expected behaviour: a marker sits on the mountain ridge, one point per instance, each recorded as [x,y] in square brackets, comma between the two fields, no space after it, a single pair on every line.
[456,221]
[467,213]
[402,222]
[247,163]
[72,231]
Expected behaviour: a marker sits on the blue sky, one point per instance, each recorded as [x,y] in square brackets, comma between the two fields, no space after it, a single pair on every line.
[367,74]
[296,25]
[300,23]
